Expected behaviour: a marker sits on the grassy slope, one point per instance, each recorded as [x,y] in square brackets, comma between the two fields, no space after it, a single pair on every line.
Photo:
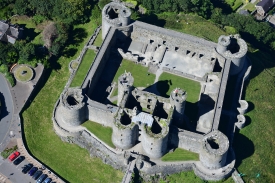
[83,68]
[66,159]
[255,144]
[180,155]
[168,82]
[103,133]
[190,177]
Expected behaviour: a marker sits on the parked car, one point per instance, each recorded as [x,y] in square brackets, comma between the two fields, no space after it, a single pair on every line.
[37,174]
[14,155]
[47,180]
[27,168]
[19,160]
[41,178]
[32,171]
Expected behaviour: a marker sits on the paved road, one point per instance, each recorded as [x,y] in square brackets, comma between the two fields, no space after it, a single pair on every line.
[6,109]
[13,173]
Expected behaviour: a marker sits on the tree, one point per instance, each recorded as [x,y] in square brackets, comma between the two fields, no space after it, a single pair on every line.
[49,34]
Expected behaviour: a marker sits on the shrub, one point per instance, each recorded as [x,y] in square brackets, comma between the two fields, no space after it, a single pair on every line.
[10,78]
[7,152]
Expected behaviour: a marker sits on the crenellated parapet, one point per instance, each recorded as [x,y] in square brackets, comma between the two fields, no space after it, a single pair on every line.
[214,149]
[115,15]
[72,108]
[125,132]
[234,49]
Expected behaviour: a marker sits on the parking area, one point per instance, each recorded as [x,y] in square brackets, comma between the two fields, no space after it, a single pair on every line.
[13,173]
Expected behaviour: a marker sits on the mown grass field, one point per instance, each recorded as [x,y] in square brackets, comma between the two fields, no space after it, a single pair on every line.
[98,41]
[140,73]
[254,145]
[180,155]
[190,177]
[83,68]
[69,161]
[168,82]
[103,133]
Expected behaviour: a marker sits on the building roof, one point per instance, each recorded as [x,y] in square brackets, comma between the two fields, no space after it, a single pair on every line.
[266,4]
[143,118]
[3,28]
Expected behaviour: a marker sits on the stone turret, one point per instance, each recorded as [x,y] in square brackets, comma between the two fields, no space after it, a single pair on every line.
[125,86]
[125,133]
[234,49]
[114,14]
[72,107]
[178,99]
[214,150]
[154,144]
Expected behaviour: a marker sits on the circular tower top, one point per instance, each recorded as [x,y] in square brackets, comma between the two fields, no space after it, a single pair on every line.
[73,98]
[114,13]
[215,143]
[178,95]
[126,80]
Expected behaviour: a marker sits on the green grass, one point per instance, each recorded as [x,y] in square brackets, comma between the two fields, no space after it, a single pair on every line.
[190,177]
[103,133]
[194,25]
[141,79]
[250,7]
[98,41]
[255,145]
[180,155]
[68,160]
[5,154]
[83,68]
[23,77]
[168,82]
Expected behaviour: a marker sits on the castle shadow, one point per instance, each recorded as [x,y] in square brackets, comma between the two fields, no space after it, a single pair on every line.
[243,147]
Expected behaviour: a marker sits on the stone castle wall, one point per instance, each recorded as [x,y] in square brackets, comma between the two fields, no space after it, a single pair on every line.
[100,61]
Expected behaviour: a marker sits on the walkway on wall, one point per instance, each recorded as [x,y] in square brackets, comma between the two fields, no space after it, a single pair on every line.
[128,175]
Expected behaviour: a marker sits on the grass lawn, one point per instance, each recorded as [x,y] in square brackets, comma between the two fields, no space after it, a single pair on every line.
[83,68]
[141,79]
[20,76]
[167,82]
[194,25]
[180,155]
[103,133]
[190,177]
[254,145]
[98,41]
[68,160]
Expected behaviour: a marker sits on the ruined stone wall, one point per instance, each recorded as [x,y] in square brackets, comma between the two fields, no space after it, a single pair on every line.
[185,139]
[169,169]
[101,114]
[219,102]
[97,149]
[100,61]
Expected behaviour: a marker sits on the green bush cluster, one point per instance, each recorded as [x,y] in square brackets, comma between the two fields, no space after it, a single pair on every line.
[7,152]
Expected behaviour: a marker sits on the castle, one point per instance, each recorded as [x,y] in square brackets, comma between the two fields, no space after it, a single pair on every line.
[145,125]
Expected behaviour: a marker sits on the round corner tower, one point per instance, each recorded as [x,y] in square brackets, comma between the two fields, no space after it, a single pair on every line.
[154,145]
[234,49]
[114,14]
[125,133]
[125,85]
[214,149]
[178,99]
[72,108]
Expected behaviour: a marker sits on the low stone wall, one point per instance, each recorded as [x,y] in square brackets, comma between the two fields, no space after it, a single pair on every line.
[182,74]
[185,139]
[169,169]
